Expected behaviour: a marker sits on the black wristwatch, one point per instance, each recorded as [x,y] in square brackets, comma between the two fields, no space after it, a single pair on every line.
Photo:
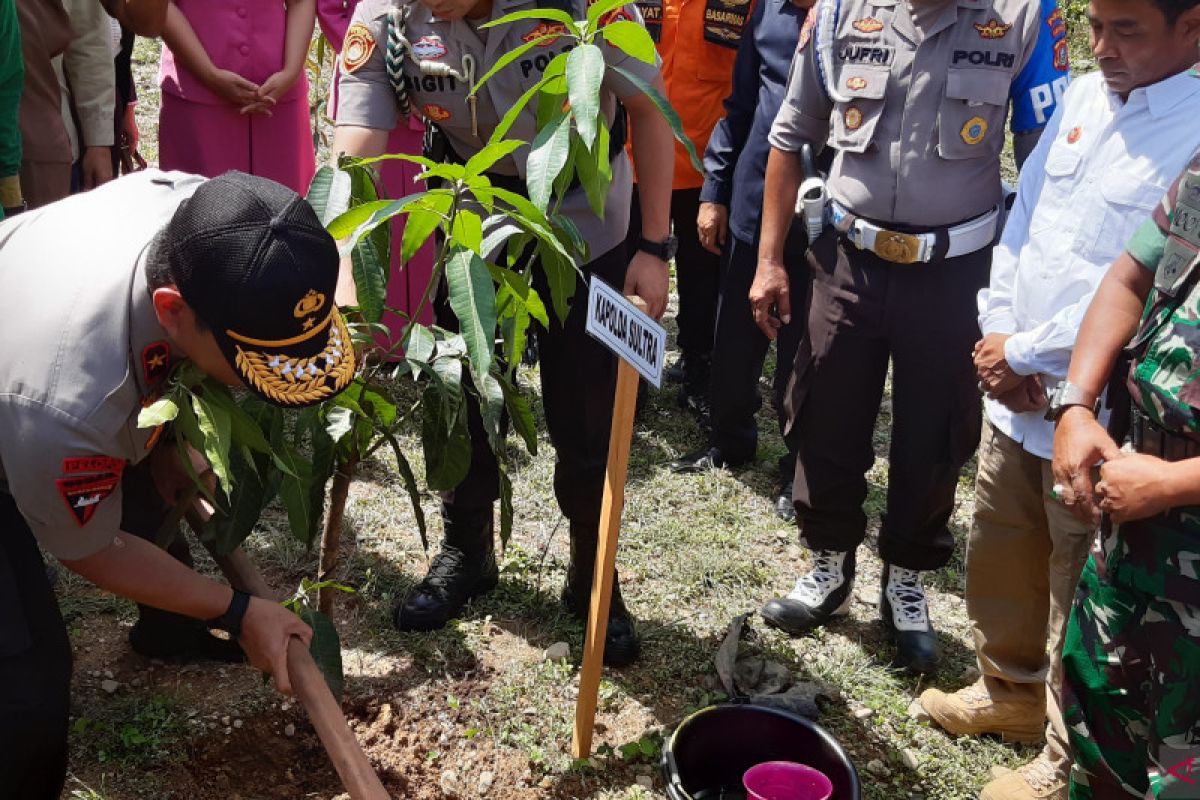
[664,249]
[231,620]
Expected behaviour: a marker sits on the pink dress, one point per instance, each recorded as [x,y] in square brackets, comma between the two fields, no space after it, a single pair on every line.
[407,281]
[202,133]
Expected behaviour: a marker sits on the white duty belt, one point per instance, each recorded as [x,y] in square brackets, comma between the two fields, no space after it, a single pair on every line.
[910,248]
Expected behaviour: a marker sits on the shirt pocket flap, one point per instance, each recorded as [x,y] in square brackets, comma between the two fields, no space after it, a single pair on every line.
[978,86]
[1062,161]
[1125,190]
[861,82]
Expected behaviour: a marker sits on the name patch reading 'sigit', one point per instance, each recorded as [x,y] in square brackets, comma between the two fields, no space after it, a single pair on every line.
[630,333]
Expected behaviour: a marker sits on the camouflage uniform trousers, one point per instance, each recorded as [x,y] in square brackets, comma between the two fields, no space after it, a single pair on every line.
[1131,664]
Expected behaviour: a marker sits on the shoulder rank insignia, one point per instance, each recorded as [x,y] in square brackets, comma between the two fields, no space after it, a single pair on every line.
[553,29]
[993,29]
[974,130]
[357,47]
[868,25]
[156,361]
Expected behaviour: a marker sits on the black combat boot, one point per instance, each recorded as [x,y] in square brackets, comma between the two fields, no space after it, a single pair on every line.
[621,645]
[464,569]
[693,390]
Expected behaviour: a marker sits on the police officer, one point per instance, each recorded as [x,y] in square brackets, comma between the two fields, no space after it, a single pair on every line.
[913,98]
[237,275]
[1131,696]
[449,52]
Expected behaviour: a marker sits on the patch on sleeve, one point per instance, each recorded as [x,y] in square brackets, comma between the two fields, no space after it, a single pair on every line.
[357,47]
[84,494]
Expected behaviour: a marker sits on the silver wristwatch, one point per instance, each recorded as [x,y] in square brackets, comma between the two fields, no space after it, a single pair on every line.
[1068,394]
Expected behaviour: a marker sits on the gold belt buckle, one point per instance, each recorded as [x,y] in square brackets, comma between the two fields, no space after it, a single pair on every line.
[899,248]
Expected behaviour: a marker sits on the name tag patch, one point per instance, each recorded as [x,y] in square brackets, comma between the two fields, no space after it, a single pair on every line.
[724,21]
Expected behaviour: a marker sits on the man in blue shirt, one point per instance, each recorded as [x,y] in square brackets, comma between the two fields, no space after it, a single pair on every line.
[735,164]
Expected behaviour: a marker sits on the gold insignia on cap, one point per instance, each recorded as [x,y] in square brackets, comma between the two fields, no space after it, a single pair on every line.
[357,47]
[311,303]
[301,381]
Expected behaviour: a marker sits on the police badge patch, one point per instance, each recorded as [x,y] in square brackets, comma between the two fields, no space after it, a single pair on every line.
[357,47]
[974,130]
[436,113]
[86,482]
[853,118]
[429,48]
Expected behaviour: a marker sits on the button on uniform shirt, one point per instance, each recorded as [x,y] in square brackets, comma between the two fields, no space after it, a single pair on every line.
[368,100]
[915,105]
[1097,173]
[83,351]
[698,42]
[735,161]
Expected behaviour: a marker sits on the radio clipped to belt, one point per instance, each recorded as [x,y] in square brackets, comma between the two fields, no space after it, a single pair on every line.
[812,201]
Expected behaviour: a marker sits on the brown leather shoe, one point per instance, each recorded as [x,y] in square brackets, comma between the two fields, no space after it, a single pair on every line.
[1037,780]
[972,711]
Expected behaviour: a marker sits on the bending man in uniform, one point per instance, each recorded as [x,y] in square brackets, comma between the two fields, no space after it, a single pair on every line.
[1131,662]
[577,373]
[168,266]
[896,274]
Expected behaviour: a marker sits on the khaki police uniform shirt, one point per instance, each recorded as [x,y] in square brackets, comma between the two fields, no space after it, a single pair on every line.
[366,98]
[83,351]
[915,107]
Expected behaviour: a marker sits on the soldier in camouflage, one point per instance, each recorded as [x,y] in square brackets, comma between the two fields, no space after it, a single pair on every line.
[1132,656]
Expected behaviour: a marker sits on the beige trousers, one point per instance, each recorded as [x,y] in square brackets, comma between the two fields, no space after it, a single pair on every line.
[1024,556]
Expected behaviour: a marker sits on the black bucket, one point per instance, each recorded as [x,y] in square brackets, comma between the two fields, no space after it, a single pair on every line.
[710,751]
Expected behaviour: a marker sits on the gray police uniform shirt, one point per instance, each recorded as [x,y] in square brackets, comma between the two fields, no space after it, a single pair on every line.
[83,351]
[915,108]
[366,98]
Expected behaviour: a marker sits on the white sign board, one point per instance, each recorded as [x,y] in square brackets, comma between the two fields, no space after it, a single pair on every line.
[628,332]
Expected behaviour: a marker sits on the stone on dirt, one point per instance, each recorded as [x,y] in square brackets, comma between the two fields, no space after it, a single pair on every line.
[486,779]
[289,730]
[110,686]
[559,651]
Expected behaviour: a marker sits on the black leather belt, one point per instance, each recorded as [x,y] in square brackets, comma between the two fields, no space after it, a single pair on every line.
[1152,439]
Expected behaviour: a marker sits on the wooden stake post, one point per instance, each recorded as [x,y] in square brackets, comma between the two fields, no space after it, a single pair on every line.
[643,343]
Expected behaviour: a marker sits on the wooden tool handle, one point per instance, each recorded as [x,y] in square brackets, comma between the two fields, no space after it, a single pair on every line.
[348,758]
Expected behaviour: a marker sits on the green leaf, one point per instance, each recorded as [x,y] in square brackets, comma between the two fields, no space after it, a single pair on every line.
[506,505]
[667,111]
[158,413]
[445,441]
[599,10]
[217,429]
[326,650]
[499,230]
[561,276]
[348,161]
[187,432]
[329,193]
[585,71]
[338,422]
[486,158]
[422,221]
[304,514]
[357,221]
[370,279]
[566,228]
[255,484]
[563,182]
[447,171]
[420,344]
[532,219]
[632,39]
[473,300]
[468,231]
[520,414]
[410,484]
[547,157]
[595,171]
